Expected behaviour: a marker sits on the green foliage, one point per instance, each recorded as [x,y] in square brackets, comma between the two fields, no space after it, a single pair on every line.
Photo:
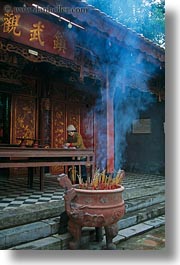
[146,17]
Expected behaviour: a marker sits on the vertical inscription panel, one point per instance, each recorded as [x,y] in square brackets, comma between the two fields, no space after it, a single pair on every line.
[58,129]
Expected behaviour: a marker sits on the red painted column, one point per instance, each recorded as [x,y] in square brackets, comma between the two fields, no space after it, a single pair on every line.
[110,125]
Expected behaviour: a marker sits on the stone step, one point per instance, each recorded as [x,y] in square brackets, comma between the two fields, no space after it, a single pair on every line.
[132,192]
[134,217]
[29,214]
[48,243]
[60,242]
[34,234]
[29,232]
[140,228]
[56,242]
[32,213]
[143,201]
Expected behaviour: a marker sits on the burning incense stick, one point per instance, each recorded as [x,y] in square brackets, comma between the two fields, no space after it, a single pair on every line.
[103,180]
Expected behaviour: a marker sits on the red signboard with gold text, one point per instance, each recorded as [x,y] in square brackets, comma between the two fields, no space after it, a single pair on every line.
[37,32]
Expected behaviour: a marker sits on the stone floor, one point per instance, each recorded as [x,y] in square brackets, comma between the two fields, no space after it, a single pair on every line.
[151,240]
[14,192]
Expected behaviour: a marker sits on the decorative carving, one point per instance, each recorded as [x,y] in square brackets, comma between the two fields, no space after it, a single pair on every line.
[24,118]
[58,123]
[103,200]
[10,75]
[118,214]
[74,115]
[58,129]
[50,58]
[41,57]
[23,124]
[11,59]
[89,63]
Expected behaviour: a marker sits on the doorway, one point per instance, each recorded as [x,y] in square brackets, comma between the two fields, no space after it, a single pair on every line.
[4,118]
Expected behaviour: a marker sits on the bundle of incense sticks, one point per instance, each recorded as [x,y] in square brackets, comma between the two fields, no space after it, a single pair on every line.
[73,173]
[103,180]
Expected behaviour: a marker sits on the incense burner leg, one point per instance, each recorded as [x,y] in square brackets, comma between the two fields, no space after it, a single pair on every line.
[75,231]
[111,232]
[99,236]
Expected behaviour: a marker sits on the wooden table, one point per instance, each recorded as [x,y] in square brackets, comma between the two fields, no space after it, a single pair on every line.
[43,157]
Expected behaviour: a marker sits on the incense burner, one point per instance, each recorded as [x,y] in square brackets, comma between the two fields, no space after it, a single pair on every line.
[92,208]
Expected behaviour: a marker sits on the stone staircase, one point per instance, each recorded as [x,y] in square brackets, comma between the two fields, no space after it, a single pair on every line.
[36,226]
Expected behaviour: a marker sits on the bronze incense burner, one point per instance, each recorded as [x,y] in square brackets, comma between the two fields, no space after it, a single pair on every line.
[92,208]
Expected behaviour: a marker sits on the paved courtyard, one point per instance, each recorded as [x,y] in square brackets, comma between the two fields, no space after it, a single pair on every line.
[151,240]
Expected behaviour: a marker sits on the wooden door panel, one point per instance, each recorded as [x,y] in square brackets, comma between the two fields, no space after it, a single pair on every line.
[58,123]
[23,124]
[24,118]
[58,129]
[73,115]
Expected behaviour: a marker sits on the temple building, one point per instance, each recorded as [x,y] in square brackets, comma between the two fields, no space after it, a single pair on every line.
[65,62]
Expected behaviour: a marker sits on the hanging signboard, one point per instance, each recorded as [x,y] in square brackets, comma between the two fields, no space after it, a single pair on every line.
[37,32]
